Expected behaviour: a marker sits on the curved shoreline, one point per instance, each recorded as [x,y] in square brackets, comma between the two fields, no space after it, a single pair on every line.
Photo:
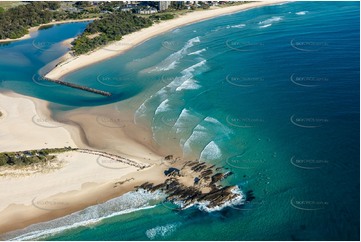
[37,28]
[29,125]
[83,122]
[132,40]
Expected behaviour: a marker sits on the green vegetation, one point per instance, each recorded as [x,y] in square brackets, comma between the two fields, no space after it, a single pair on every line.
[5,5]
[15,21]
[29,157]
[109,28]
[165,16]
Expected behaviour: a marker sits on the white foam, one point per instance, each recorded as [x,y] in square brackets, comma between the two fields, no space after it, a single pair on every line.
[302,13]
[163,107]
[171,66]
[162,231]
[199,134]
[179,83]
[218,128]
[189,84]
[204,206]
[171,61]
[144,109]
[127,203]
[212,120]
[270,21]
[238,26]
[186,120]
[189,72]
[197,52]
[211,152]
[141,110]
[265,26]
[183,116]
[186,81]
[238,200]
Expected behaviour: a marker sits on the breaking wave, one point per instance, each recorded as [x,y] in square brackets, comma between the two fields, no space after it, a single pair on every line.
[162,231]
[127,203]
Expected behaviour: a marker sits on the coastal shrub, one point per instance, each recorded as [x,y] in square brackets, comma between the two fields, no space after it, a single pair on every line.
[23,158]
[15,22]
[166,16]
[3,159]
[111,27]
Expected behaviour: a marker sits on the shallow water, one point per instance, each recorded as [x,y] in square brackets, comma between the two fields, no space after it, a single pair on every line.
[271,94]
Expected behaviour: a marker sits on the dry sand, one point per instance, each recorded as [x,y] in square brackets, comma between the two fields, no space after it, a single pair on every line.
[78,180]
[26,125]
[134,39]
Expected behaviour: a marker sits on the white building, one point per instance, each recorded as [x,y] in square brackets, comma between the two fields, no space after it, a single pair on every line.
[163,5]
[147,11]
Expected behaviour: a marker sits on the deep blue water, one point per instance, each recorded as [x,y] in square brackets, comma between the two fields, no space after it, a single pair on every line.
[270,93]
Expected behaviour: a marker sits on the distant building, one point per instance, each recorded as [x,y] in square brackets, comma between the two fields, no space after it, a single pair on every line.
[147,11]
[126,9]
[164,5]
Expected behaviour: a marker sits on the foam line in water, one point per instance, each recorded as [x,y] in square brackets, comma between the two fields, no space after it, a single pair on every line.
[127,203]
[185,82]
[270,20]
[204,206]
[197,52]
[238,200]
[211,152]
[163,107]
[220,128]
[185,120]
[198,136]
[265,26]
[162,231]
[171,61]
[238,26]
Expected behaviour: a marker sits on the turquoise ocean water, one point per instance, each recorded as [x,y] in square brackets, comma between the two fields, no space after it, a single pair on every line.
[271,93]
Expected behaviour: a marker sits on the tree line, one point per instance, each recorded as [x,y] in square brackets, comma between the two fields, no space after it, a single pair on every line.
[108,28]
[15,22]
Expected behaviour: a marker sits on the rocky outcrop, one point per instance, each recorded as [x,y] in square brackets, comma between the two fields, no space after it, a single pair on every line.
[205,188]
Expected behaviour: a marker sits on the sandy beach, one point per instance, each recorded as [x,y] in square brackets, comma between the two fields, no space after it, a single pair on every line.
[75,180]
[129,41]
[26,125]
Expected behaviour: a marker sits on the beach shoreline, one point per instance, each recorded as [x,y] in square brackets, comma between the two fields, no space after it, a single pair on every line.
[79,128]
[33,30]
[85,179]
[132,40]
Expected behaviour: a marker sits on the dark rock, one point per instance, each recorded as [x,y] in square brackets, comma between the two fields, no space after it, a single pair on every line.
[169,157]
[217,177]
[171,172]
[249,196]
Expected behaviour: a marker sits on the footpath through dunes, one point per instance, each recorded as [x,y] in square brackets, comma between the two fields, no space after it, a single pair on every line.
[83,180]
[115,158]
[80,87]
